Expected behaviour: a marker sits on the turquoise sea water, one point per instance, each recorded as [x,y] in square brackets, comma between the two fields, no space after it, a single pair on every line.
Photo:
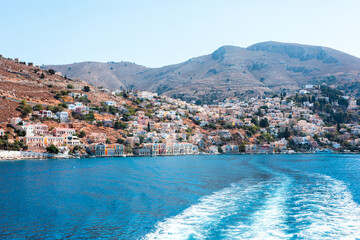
[187,197]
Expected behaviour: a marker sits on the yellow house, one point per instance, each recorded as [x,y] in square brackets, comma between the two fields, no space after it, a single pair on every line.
[68,99]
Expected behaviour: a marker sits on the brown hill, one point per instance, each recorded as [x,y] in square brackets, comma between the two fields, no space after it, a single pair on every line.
[19,81]
[229,71]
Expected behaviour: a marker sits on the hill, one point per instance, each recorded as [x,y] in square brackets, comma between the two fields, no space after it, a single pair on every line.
[229,71]
[20,81]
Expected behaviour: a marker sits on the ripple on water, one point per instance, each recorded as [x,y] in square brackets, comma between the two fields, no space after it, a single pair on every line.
[312,206]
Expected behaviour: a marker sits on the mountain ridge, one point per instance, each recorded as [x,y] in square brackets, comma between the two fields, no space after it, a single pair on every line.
[229,71]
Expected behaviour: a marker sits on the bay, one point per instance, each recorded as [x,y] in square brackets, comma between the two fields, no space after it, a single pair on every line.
[182,197]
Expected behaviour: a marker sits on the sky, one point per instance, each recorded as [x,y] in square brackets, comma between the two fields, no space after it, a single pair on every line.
[157,33]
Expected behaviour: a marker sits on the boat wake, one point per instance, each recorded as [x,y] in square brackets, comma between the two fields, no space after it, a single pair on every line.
[298,206]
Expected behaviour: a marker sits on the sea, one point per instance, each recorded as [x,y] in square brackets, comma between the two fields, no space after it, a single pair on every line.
[309,196]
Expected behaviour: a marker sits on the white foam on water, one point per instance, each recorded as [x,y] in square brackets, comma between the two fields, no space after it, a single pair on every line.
[196,221]
[328,209]
[320,207]
[269,221]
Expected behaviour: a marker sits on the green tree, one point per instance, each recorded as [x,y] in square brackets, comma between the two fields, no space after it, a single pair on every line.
[286,134]
[120,125]
[220,150]
[86,89]
[82,134]
[90,116]
[338,127]
[254,121]
[26,110]
[38,107]
[52,149]
[264,123]
[242,147]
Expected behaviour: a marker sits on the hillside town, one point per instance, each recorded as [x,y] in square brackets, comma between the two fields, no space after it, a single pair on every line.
[139,123]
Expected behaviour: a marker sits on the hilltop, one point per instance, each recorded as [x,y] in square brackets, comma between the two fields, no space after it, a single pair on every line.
[230,71]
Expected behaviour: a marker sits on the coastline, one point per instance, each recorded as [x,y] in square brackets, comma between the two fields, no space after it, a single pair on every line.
[2,159]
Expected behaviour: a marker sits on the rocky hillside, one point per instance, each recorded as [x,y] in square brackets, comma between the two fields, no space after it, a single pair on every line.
[20,81]
[229,72]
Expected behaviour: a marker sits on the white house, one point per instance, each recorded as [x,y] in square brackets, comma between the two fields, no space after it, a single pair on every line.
[45,113]
[15,121]
[71,106]
[110,103]
[63,116]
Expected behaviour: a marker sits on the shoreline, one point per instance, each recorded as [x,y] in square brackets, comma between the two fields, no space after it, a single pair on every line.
[136,156]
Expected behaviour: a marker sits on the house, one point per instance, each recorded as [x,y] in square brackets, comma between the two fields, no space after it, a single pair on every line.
[40,129]
[251,148]
[162,149]
[214,149]
[266,148]
[63,131]
[81,109]
[281,144]
[42,142]
[35,141]
[97,149]
[27,128]
[15,121]
[114,150]
[97,138]
[62,116]
[111,103]
[132,140]
[146,95]
[169,149]
[57,141]
[108,122]
[352,104]
[222,133]
[71,107]
[153,147]
[78,104]
[336,145]
[45,113]
[204,123]
[142,152]
[301,140]
[68,99]
[71,140]
[74,95]
[230,149]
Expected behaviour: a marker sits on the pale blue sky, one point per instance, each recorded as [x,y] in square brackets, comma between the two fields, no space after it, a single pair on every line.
[157,33]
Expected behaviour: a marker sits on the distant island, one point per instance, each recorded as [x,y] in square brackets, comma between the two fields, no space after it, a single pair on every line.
[46,114]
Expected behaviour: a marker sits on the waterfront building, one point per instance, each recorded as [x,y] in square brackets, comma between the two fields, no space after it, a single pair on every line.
[97,149]
[71,140]
[114,150]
